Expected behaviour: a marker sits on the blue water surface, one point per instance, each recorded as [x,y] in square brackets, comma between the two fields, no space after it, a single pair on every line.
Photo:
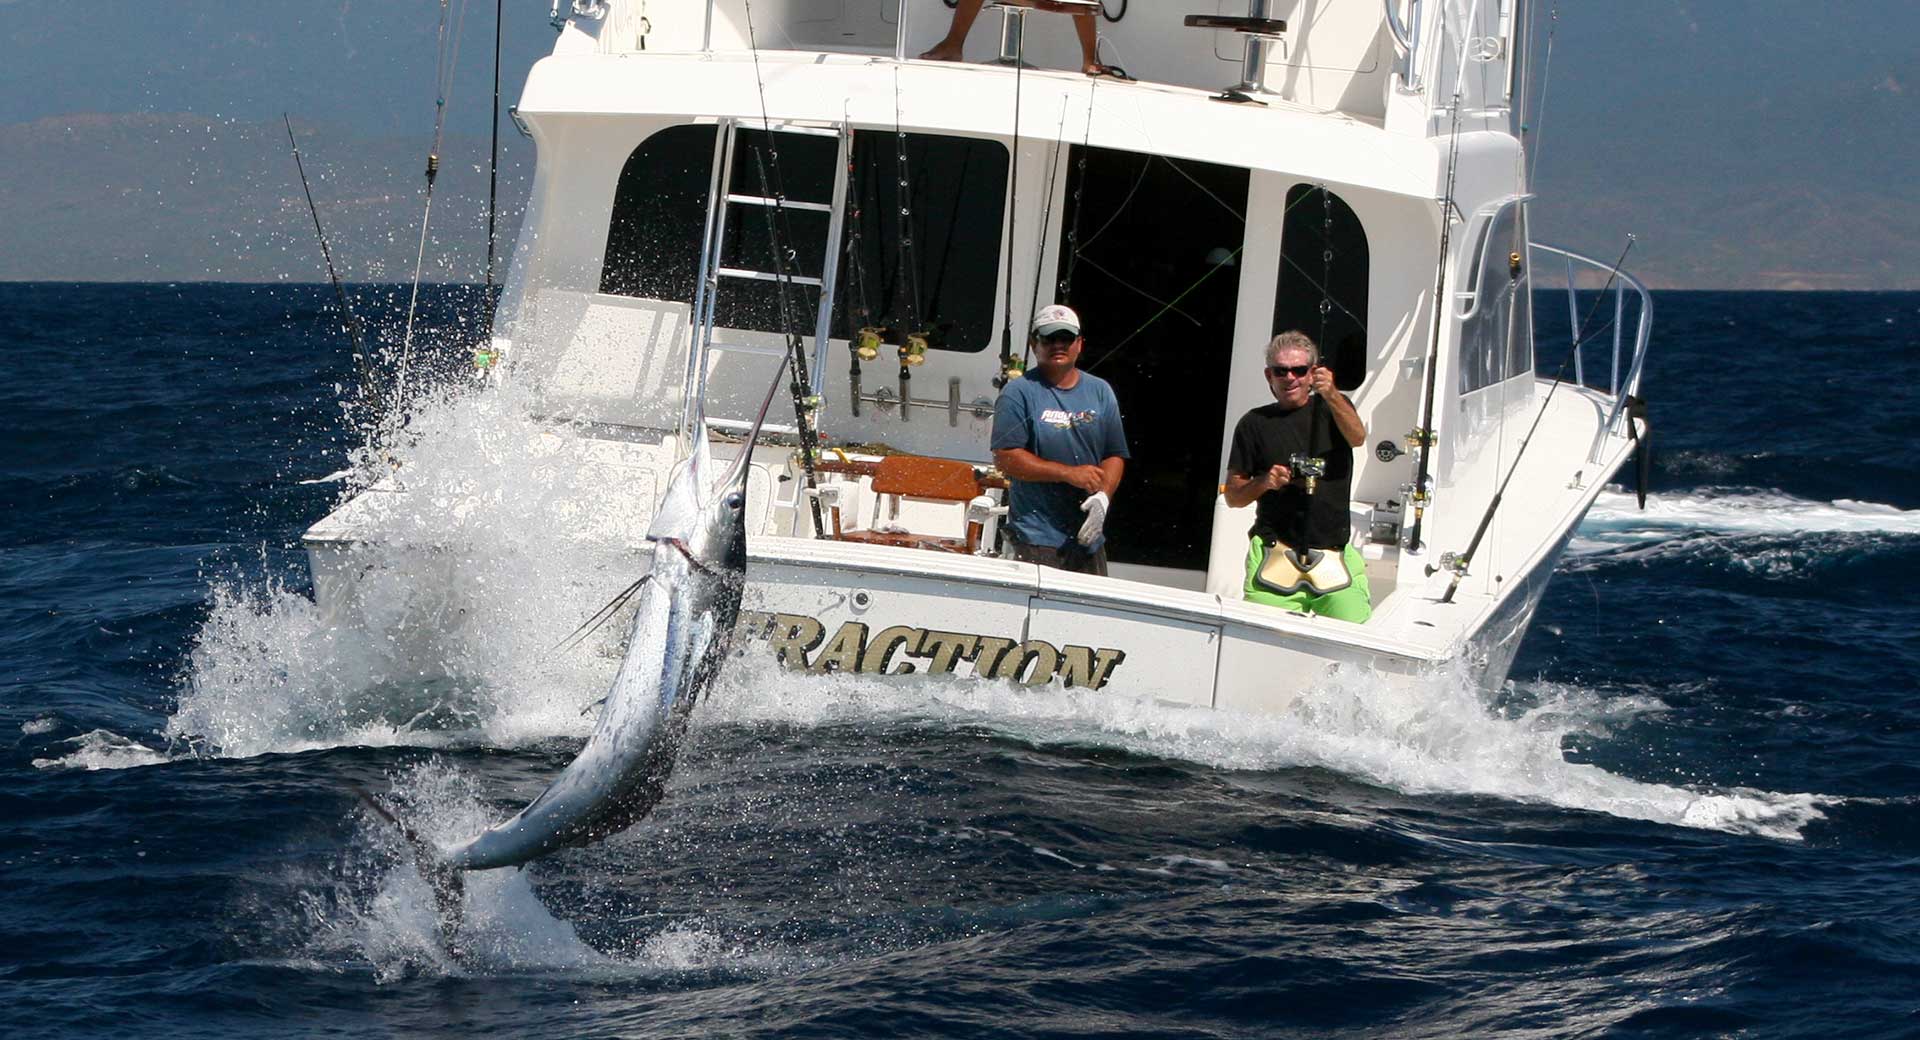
[1691,813]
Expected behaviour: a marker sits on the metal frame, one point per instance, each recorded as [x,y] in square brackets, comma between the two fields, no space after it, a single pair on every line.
[1620,389]
[720,198]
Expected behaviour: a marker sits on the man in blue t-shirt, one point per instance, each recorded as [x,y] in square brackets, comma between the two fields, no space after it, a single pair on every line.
[1057,437]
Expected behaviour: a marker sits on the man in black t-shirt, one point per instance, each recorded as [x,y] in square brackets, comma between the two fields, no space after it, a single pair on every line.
[1310,425]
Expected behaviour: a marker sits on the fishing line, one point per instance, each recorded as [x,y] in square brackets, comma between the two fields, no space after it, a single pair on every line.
[362,361]
[1013,207]
[448,48]
[493,169]
[1546,77]
[1046,209]
[803,398]
[1079,191]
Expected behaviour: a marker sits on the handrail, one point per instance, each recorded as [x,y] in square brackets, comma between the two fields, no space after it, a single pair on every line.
[1620,389]
[1406,39]
[1402,36]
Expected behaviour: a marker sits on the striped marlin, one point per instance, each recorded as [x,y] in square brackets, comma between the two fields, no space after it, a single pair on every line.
[681,631]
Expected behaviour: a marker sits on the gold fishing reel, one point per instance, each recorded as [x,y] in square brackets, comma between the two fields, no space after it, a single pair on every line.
[866,342]
[914,350]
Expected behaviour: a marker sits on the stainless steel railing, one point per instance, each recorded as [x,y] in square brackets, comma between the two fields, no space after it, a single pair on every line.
[1623,369]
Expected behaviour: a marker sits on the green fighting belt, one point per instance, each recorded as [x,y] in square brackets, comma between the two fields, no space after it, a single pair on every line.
[1283,573]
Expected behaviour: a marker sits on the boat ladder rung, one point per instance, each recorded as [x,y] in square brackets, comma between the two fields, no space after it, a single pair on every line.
[764,276]
[768,200]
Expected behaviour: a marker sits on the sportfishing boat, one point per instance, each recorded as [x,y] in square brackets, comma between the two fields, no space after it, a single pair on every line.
[722,184]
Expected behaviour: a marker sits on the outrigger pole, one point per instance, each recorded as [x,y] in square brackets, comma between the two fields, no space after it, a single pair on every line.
[362,361]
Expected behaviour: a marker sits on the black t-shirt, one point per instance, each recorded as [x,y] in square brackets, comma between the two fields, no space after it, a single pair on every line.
[1272,434]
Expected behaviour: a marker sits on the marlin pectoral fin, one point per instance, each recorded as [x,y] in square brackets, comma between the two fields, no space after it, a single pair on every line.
[601,616]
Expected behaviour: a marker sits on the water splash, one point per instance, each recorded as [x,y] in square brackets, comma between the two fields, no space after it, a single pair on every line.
[380,910]
[377,909]
[1616,520]
[101,749]
[492,541]
[1440,736]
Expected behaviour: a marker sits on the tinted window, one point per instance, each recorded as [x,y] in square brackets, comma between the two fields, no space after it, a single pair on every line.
[659,208]
[1323,280]
[1496,338]
[934,267]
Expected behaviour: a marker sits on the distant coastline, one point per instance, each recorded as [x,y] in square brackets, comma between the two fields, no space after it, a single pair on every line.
[156,197]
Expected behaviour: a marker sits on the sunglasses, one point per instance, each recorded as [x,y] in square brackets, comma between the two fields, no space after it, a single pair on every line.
[1296,371]
[1060,337]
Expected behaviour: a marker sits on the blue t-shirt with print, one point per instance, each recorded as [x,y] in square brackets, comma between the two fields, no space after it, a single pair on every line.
[1077,427]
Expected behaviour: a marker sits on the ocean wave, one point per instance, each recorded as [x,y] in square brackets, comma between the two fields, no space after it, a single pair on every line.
[102,749]
[1765,533]
[1616,519]
[1440,736]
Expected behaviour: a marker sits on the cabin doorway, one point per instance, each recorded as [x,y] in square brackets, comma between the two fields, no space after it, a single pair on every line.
[1150,250]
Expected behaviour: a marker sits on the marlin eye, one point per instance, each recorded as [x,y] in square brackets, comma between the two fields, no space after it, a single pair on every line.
[736,499]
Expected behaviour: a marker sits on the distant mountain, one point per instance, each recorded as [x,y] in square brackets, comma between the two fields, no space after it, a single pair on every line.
[179,197]
[1819,199]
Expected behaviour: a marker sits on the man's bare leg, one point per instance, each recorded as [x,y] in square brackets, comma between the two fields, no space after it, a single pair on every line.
[950,48]
[1083,27]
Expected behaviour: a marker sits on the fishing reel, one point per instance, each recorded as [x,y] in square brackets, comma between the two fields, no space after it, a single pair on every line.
[914,350]
[867,341]
[1011,369]
[1309,469]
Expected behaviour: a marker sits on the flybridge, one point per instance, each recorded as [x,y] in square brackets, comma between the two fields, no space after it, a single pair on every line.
[1369,59]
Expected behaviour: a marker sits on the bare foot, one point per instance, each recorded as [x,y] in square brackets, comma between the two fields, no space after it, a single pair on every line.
[943,51]
[1094,68]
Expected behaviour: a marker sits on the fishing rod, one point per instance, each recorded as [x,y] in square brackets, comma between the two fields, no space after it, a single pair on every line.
[362,361]
[1459,564]
[804,400]
[493,180]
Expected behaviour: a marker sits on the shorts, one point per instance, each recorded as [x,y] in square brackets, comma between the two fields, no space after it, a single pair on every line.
[1353,603]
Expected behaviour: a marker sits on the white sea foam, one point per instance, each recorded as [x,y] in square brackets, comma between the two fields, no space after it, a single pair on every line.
[1616,519]
[380,910]
[102,749]
[1439,737]
[467,582]
[384,912]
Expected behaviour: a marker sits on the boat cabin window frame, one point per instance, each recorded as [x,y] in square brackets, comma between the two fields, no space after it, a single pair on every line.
[1341,329]
[960,191]
[1495,338]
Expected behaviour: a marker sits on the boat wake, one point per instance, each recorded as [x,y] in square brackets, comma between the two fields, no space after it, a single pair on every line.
[1756,531]
[1439,737]
[1616,520]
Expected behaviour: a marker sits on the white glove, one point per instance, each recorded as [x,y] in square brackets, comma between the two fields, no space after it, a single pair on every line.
[1096,509]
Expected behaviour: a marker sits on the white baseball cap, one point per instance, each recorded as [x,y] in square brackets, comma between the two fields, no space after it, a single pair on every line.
[1055,317]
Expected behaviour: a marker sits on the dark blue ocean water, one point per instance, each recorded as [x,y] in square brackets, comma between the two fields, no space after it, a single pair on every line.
[1692,813]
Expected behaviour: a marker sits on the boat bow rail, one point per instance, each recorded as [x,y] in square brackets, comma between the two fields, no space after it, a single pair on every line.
[1623,363]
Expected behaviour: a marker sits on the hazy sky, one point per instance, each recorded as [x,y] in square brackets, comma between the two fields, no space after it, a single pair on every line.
[1754,142]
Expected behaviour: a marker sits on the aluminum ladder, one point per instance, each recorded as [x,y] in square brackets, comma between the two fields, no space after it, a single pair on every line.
[723,199]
